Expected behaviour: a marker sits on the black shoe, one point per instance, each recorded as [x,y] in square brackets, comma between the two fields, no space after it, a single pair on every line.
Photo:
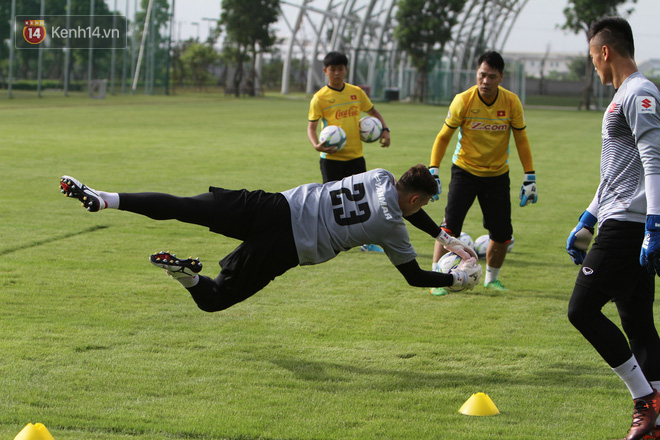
[175,267]
[91,200]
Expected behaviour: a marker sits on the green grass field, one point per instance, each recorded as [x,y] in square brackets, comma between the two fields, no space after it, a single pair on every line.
[98,344]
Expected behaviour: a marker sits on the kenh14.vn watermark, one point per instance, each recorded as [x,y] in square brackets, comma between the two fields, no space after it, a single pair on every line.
[73,31]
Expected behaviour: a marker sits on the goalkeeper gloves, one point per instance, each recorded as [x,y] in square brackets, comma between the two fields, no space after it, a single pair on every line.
[650,255]
[453,244]
[434,173]
[466,275]
[528,190]
[585,226]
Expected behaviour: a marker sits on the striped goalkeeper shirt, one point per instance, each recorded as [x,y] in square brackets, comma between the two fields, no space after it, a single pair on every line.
[631,151]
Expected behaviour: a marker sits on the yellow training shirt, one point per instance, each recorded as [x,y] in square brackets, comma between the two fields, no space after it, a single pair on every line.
[342,108]
[484,132]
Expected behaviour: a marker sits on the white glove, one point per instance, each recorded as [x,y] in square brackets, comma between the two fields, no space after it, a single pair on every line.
[434,173]
[466,275]
[453,244]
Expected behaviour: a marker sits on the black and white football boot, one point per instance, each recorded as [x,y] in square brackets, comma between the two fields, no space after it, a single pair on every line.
[91,200]
[175,267]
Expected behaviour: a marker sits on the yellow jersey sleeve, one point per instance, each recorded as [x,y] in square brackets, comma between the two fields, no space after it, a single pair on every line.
[315,112]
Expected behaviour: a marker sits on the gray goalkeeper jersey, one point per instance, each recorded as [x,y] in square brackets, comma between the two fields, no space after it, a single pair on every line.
[631,150]
[337,216]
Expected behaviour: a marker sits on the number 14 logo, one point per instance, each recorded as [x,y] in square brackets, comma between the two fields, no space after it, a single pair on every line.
[34,31]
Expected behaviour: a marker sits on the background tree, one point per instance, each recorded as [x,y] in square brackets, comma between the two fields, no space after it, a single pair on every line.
[198,59]
[580,14]
[193,61]
[577,68]
[5,20]
[424,26]
[25,61]
[544,60]
[247,25]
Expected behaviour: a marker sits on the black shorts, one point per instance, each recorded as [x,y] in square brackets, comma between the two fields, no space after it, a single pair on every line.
[494,195]
[612,267]
[263,222]
[332,170]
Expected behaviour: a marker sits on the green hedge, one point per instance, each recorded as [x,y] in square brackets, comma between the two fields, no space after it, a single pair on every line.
[45,84]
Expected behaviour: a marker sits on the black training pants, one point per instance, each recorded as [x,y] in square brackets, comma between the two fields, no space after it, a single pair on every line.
[261,220]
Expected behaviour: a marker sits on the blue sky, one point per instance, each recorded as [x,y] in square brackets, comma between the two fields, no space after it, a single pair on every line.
[536,28]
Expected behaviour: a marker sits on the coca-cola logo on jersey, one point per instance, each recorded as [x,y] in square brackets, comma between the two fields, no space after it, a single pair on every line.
[351,111]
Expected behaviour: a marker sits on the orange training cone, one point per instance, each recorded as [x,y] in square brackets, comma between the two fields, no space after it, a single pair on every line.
[34,432]
[479,405]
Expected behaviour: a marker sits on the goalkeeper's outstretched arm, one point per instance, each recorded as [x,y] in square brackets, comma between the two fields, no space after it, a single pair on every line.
[465,276]
[417,277]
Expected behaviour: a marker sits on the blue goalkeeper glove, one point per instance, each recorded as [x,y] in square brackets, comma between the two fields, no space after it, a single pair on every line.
[434,173]
[585,226]
[528,190]
[650,255]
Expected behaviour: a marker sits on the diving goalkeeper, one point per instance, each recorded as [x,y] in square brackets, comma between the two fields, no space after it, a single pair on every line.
[309,224]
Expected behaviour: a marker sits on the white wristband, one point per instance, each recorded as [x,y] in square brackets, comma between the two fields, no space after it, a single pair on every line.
[443,237]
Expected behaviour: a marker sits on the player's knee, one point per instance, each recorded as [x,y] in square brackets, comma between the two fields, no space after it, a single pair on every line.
[574,317]
[581,317]
[212,307]
[210,296]
[210,303]
[504,237]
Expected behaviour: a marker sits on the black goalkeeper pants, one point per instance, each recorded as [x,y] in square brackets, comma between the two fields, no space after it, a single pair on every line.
[261,220]
[611,271]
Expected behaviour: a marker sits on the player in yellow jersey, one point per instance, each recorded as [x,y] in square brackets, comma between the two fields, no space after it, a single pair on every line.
[485,116]
[339,103]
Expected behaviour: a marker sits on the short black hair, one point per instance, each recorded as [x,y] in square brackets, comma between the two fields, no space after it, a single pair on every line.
[335,59]
[418,179]
[614,32]
[493,59]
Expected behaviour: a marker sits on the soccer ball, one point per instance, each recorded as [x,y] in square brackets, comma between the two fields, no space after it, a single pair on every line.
[370,129]
[481,246]
[333,136]
[446,264]
[465,238]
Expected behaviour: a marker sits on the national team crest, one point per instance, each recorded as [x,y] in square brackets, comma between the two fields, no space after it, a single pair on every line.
[34,31]
[501,113]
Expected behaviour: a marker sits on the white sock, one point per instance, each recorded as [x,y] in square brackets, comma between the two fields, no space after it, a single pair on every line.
[111,199]
[631,374]
[491,274]
[188,282]
[434,267]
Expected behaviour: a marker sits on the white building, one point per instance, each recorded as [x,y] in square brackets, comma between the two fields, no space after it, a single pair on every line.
[650,68]
[535,63]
